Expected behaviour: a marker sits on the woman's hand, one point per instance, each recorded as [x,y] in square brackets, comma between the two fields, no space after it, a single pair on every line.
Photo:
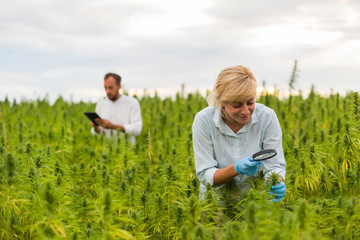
[246,166]
[278,191]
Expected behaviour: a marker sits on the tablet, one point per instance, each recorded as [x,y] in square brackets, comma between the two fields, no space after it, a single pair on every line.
[92,116]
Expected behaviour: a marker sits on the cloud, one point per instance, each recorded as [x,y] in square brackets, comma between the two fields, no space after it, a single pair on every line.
[65,47]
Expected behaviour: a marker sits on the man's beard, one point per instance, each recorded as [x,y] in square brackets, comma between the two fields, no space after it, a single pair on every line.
[114,98]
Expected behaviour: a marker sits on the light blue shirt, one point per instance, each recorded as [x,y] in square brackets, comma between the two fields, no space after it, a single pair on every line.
[216,146]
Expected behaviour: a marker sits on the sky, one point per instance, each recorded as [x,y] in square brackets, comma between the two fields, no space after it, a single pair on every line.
[50,48]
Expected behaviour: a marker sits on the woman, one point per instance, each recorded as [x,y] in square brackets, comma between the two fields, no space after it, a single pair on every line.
[228,132]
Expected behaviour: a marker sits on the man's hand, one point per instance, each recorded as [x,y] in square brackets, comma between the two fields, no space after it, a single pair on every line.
[96,128]
[104,123]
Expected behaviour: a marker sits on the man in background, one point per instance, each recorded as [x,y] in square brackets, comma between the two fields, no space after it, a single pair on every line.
[117,112]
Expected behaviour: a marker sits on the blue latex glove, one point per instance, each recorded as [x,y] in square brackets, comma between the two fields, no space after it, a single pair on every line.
[246,166]
[278,191]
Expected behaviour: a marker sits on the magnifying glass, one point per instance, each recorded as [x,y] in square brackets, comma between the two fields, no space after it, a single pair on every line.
[264,155]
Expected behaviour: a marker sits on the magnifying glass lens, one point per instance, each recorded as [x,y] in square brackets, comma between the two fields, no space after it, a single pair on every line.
[264,155]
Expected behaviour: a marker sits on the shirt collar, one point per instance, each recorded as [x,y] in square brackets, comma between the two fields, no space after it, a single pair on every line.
[225,129]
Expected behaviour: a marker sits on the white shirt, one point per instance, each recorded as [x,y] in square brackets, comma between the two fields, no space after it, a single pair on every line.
[216,146]
[124,111]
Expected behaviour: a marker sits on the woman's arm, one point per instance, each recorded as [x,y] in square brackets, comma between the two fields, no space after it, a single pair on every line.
[223,175]
[205,163]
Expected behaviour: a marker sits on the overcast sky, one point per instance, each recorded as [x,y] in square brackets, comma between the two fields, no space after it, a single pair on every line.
[63,47]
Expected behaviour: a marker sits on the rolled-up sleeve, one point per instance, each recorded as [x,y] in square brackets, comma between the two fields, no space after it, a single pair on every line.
[273,140]
[135,126]
[205,164]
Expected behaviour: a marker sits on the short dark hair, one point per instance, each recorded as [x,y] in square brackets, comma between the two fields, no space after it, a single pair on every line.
[114,75]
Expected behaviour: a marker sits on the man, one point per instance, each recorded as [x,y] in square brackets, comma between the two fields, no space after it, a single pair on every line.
[117,112]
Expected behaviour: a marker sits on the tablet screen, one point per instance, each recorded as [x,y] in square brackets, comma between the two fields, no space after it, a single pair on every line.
[92,116]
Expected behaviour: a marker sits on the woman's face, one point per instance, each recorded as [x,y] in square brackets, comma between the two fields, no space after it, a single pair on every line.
[239,113]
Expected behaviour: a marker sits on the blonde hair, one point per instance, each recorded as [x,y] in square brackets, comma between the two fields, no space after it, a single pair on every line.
[234,84]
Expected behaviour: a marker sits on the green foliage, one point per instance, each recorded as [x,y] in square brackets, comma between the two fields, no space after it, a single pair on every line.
[57,181]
